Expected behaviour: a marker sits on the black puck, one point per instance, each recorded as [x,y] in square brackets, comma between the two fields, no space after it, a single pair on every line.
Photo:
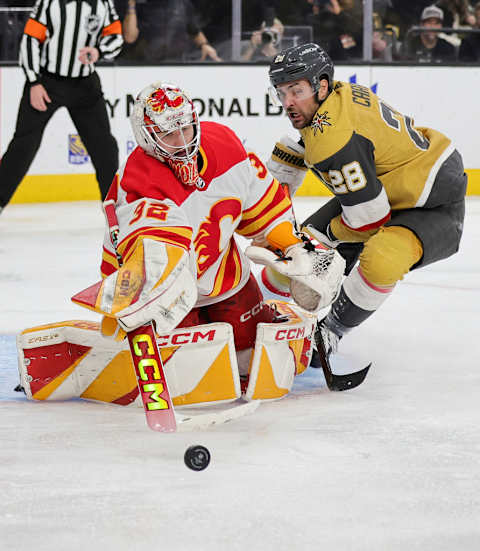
[197,458]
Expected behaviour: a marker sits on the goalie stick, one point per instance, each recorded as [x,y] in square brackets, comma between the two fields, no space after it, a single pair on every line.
[151,380]
[334,382]
[205,420]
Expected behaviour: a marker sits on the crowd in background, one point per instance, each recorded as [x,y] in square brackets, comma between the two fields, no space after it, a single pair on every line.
[178,31]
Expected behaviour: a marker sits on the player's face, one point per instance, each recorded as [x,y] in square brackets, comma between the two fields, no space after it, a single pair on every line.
[177,142]
[299,102]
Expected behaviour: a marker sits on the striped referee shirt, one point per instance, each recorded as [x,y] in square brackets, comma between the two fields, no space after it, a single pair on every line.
[57,29]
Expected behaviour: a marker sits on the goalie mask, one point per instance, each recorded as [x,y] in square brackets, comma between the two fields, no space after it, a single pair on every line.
[165,124]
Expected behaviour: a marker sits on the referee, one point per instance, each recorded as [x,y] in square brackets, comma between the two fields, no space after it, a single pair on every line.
[61,42]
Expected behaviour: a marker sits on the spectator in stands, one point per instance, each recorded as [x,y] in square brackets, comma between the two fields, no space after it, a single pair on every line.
[215,20]
[12,23]
[163,31]
[264,43]
[384,39]
[337,26]
[427,46]
[457,13]
[348,43]
[403,14]
[470,45]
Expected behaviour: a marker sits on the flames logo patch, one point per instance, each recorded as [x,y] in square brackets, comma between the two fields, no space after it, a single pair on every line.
[215,232]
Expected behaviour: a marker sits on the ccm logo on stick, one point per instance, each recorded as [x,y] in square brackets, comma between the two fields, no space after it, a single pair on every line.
[148,371]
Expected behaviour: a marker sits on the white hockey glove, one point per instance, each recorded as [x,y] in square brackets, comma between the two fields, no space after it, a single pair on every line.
[315,275]
[155,283]
[286,163]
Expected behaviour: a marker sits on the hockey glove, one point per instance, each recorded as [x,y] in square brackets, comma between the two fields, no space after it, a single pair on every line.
[315,275]
[286,163]
[155,283]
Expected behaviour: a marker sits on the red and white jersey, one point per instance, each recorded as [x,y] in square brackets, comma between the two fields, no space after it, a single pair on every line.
[238,196]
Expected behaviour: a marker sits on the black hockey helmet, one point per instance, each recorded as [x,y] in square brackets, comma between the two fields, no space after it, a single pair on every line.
[308,61]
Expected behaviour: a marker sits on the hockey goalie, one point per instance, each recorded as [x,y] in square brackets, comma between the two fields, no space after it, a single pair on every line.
[170,257]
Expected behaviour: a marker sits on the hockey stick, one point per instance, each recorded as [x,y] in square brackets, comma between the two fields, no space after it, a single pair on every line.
[338,382]
[150,373]
[205,420]
[151,380]
[334,382]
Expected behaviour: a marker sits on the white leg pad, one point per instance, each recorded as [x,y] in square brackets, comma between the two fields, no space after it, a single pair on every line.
[282,350]
[71,359]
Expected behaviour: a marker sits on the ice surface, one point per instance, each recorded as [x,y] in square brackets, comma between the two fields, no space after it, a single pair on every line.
[391,466]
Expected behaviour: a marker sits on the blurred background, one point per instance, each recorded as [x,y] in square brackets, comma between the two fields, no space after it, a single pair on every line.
[350,30]
[421,57]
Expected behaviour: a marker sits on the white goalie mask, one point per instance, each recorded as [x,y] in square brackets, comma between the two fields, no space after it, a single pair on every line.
[165,125]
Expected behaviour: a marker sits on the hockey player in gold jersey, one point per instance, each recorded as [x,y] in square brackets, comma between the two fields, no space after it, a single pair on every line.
[399,189]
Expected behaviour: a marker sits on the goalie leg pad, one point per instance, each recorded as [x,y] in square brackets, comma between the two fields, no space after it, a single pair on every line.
[282,350]
[71,359]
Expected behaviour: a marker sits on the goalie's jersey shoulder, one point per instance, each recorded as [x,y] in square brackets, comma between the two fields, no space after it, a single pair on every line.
[145,176]
[220,149]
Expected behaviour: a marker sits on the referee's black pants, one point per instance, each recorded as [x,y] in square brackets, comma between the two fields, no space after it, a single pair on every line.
[83,98]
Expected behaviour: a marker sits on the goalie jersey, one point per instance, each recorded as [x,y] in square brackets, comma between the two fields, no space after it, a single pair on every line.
[372,157]
[236,194]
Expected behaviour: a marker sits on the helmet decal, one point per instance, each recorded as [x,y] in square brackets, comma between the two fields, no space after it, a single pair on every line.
[159,100]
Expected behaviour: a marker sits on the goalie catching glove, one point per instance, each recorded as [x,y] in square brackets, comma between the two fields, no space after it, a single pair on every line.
[315,275]
[155,283]
[286,163]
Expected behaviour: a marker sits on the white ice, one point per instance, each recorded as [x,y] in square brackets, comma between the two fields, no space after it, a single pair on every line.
[393,465]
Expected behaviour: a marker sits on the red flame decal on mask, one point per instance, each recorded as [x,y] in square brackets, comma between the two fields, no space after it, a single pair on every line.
[159,100]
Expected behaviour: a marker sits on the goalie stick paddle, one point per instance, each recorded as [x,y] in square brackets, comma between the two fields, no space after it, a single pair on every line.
[151,380]
[339,382]
[146,358]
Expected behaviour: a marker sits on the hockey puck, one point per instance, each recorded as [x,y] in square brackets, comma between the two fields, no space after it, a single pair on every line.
[197,458]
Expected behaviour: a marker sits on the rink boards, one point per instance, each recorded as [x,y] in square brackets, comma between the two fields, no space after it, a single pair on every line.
[237,96]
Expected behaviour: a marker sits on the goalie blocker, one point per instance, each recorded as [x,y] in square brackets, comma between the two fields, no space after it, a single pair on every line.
[71,359]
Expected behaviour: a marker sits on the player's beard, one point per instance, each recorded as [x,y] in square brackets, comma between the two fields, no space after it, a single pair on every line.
[303,117]
[185,171]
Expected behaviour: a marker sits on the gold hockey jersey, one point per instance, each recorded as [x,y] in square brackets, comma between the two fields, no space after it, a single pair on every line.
[371,156]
